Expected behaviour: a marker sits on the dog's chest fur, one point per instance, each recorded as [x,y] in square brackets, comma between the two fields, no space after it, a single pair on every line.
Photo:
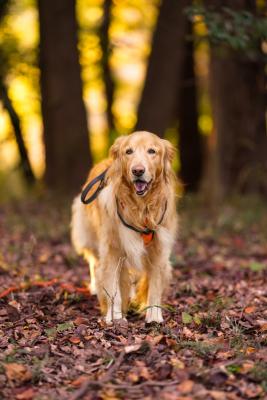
[129,241]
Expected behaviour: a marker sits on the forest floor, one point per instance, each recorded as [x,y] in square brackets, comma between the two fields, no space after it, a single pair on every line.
[213,344]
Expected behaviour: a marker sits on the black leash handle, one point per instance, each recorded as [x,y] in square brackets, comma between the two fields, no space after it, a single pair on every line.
[89,186]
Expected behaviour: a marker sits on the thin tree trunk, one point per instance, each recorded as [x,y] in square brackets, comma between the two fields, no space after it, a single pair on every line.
[190,143]
[14,118]
[67,150]
[157,105]
[107,74]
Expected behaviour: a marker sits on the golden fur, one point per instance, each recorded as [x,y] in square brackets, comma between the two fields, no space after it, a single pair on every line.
[118,257]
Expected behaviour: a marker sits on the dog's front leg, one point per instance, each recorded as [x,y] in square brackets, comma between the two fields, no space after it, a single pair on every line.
[109,284]
[158,278]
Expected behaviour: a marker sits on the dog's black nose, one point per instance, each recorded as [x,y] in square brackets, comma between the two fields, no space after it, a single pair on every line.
[138,170]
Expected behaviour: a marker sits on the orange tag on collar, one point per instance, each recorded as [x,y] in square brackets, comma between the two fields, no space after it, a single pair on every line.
[147,237]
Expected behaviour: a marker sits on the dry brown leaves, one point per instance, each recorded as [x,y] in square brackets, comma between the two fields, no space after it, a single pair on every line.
[53,344]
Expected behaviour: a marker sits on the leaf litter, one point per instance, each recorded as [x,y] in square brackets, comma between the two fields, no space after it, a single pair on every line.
[54,344]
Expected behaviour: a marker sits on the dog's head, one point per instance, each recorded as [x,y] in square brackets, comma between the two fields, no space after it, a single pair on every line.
[141,159]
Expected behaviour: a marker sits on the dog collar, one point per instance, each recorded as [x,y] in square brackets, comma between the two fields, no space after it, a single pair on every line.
[146,234]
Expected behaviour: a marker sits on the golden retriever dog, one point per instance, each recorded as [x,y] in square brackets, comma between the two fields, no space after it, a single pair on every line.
[127,232]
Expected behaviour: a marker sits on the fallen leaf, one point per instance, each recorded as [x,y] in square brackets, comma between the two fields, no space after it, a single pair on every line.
[252,391]
[80,321]
[79,381]
[186,318]
[246,367]
[17,373]
[176,363]
[263,328]
[217,395]
[186,386]
[250,309]
[133,376]
[74,339]
[250,350]
[256,266]
[132,347]
[65,326]
[28,394]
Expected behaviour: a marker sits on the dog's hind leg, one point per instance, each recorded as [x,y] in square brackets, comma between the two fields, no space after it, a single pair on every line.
[92,261]
[126,287]
[83,238]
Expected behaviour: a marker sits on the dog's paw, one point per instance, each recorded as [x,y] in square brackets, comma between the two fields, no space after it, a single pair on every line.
[92,288]
[154,314]
[116,321]
[112,317]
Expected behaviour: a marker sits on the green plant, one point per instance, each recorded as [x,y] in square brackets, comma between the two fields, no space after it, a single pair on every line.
[239,30]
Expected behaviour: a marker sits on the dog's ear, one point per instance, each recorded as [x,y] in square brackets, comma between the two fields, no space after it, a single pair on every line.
[169,154]
[170,151]
[114,151]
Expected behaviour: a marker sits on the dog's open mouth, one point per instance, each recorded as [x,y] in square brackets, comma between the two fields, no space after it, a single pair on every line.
[141,187]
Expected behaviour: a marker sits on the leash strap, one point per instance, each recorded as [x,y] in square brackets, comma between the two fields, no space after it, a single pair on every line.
[100,178]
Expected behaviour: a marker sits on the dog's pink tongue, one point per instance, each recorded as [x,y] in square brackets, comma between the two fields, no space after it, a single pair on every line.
[140,186]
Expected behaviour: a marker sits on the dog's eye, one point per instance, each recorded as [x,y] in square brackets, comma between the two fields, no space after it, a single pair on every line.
[151,151]
[129,151]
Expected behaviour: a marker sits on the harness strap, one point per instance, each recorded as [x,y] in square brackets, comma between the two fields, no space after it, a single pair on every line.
[89,186]
[147,234]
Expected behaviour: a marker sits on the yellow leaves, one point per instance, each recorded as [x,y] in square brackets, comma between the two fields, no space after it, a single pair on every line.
[186,318]
[250,350]
[17,373]
[176,363]
[110,394]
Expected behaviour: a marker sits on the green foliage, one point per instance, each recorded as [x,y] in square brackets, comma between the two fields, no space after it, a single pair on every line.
[239,30]
[259,374]
[234,368]
[256,266]
[51,332]
[186,318]
[211,320]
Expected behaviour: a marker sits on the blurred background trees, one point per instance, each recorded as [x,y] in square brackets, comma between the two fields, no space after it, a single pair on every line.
[74,75]
[66,137]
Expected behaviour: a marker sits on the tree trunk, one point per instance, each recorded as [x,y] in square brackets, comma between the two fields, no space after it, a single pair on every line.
[239,103]
[67,150]
[239,106]
[107,74]
[190,143]
[15,121]
[157,105]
